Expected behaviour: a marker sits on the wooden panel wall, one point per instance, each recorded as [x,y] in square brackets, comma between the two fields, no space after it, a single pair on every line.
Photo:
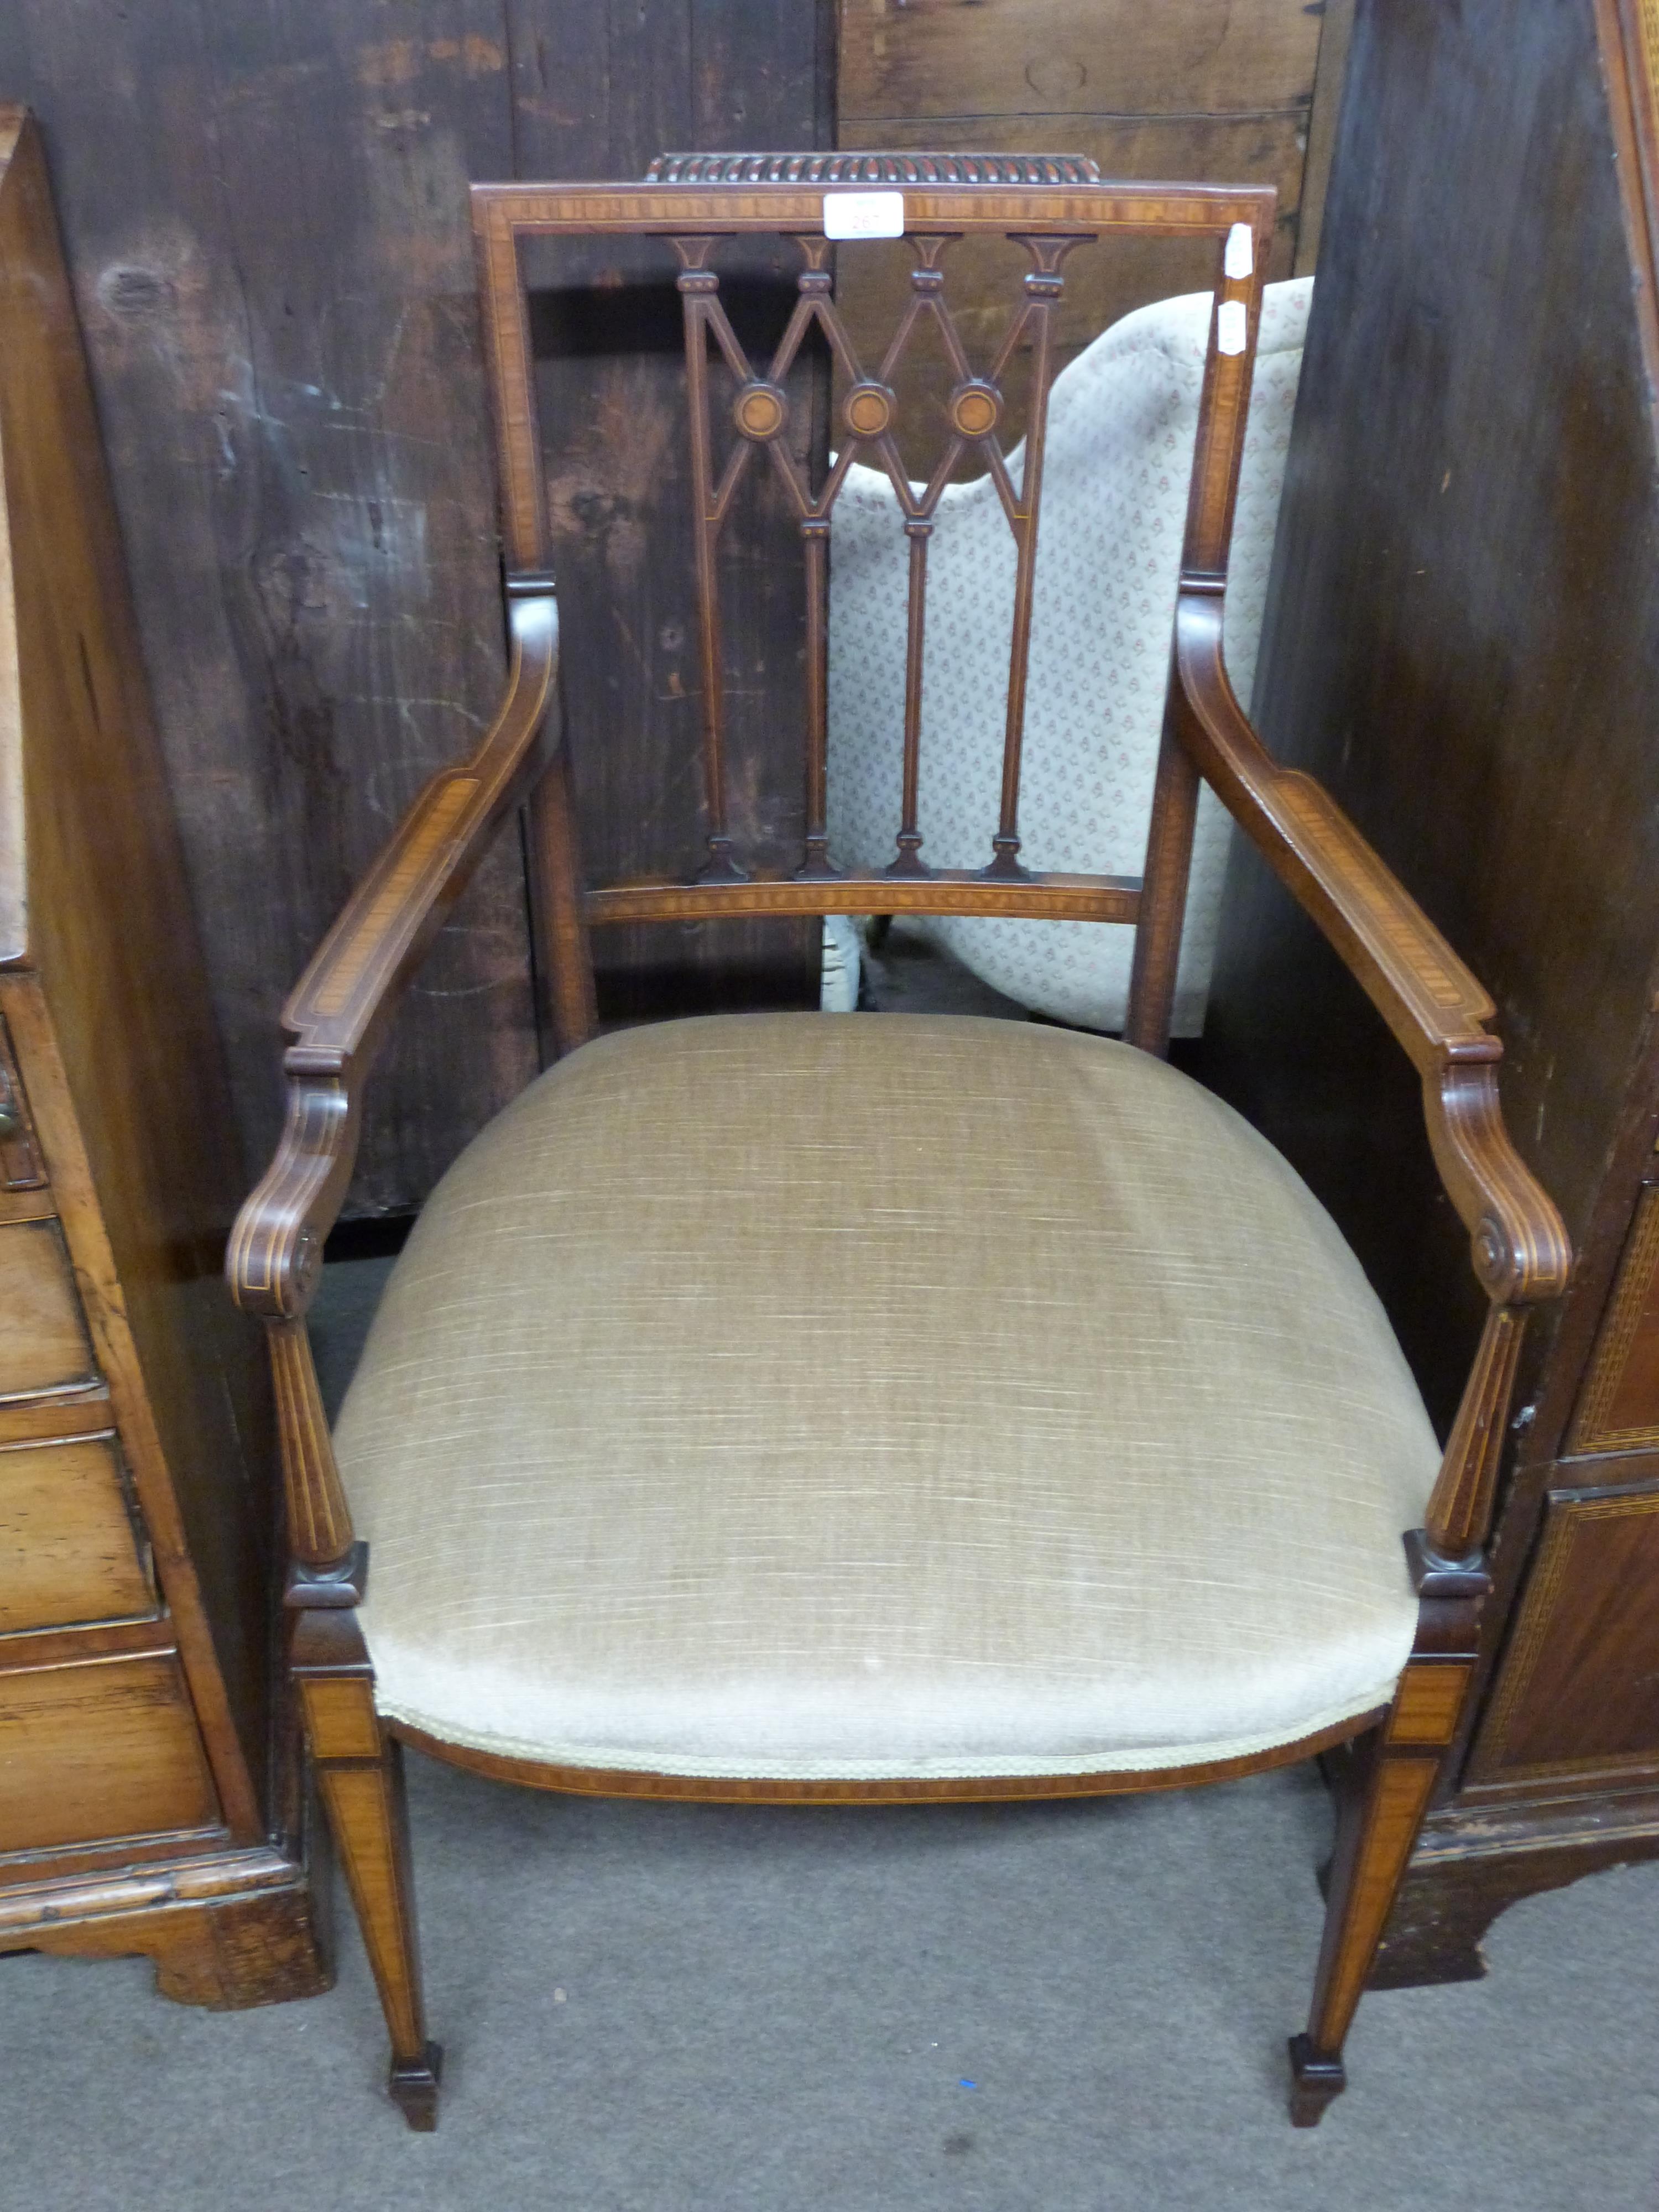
[1220,91]
[1460,636]
[265,210]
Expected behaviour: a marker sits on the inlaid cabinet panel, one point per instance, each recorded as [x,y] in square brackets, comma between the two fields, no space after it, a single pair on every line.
[68,1551]
[44,1344]
[107,1747]
[1588,1620]
[1619,1408]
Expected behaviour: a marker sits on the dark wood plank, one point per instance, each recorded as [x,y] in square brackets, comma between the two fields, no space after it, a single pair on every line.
[964,59]
[266,218]
[598,95]
[1206,91]
[1464,609]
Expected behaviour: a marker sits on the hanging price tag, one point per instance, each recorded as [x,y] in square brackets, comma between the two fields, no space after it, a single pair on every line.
[1232,326]
[864,215]
[1240,258]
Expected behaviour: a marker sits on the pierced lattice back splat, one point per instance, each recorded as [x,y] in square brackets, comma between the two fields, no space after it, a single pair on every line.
[1046,206]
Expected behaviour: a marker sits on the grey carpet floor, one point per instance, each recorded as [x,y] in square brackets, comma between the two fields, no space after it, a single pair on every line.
[1077,2007]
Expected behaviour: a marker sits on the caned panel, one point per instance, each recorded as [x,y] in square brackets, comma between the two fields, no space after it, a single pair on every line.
[43,1339]
[68,1547]
[106,1749]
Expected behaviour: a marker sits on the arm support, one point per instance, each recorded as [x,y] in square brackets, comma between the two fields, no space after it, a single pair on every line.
[1434,1005]
[338,1012]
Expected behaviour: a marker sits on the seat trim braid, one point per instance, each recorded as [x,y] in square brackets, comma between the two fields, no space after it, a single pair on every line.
[991,1781]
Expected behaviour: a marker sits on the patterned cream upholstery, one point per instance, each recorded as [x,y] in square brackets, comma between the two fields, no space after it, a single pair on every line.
[879,1397]
[1123,417]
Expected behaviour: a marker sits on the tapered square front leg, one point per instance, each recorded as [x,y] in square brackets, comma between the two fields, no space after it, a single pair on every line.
[1389,1784]
[360,1776]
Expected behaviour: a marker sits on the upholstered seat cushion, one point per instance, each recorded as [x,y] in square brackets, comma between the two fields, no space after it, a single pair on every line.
[880,1395]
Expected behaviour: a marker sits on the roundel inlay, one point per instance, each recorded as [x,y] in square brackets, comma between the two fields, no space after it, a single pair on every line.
[759,411]
[975,409]
[869,410]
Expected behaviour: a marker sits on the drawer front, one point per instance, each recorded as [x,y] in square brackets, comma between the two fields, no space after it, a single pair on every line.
[21,1168]
[44,1344]
[108,1749]
[68,1549]
[1577,1686]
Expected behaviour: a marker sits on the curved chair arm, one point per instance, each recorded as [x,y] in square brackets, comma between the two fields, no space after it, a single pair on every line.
[1434,1005]
[338,1011]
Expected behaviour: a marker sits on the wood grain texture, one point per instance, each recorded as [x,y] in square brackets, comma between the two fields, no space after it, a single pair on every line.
[266,220]
[1330,76]
[1470,1865]
[107,1010]
[1209,91]
[44,1344]
[599,92]
[1464,594]
[338,1013]
[69,1549]
[91,1750]
[952,58]
[227,1930]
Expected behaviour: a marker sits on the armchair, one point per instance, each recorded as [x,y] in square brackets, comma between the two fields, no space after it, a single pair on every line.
[1119,1499]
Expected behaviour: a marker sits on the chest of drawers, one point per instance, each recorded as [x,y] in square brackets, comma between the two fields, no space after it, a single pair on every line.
[141,1809]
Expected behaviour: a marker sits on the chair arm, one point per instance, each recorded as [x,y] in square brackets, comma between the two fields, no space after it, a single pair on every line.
[1435,1008]
[338,1011]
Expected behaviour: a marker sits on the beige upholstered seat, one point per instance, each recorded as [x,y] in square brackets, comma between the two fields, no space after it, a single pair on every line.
[792,1395]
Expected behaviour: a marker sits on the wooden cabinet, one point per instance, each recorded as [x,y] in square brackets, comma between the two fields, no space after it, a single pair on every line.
[137,1808]
[1462,641]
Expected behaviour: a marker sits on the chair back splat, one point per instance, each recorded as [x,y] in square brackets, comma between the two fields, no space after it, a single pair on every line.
[1047,207]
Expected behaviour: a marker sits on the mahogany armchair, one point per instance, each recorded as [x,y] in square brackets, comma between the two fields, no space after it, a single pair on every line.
[1117,1502]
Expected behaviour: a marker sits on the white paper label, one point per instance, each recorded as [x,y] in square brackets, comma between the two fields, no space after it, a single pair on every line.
[864,215]
[1231,326]
[1240,258]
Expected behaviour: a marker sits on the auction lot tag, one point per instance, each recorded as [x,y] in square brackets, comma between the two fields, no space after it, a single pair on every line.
[864,215]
